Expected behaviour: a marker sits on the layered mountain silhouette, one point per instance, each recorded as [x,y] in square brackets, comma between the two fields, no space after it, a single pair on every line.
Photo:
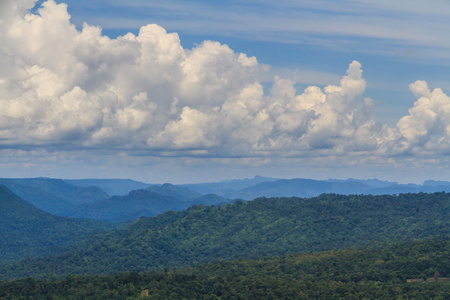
[27,231]
[113,187]
[150,202]
[53,195]
[128,199]
[249,189]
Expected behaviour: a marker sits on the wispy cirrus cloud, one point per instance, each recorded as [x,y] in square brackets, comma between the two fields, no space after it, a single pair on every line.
[368,26]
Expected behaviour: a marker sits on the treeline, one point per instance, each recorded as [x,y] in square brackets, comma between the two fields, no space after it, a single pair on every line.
[343,274]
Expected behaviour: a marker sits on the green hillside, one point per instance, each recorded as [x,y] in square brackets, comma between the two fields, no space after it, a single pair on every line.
[26,231]
[344,274]
[263,227]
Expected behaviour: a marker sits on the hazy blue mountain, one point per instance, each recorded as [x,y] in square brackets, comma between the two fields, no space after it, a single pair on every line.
[90,194]
[299,188]
[53,195]
[373,183]
[152,201]
[179,192]
[311,188]
[89,198]
[26,231]
[226,188]
[34,194]
[114,187]
[136,204]
[209,199]
[436,183]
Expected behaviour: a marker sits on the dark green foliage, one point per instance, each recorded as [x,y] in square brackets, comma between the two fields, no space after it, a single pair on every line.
[345,274]
[263,227]
[26,231]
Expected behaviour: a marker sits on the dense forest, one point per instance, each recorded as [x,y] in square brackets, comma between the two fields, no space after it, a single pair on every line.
[328,247]
[259,228]
[408,270]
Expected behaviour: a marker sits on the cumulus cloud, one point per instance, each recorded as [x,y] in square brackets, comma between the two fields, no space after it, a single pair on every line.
[427,127]
[61,87]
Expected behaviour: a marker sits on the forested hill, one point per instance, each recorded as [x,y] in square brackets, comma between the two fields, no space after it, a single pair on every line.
[262,227]
[26,231]
[346,274]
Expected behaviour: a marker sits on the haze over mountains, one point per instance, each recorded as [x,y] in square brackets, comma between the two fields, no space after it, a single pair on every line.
[27,231]
[116,200]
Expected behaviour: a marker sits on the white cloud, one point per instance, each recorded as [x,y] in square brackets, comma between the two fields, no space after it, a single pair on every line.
[427,127]
[65,89]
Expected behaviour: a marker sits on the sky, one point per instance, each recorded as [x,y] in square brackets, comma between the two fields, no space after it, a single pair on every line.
[205,90]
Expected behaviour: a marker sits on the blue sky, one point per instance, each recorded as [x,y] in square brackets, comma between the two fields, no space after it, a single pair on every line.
[225,86]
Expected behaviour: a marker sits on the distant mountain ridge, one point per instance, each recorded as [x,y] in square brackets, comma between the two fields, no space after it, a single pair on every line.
[26,231]
[225,188]
[179,192]
[136,204]
[114,187]
[310,188]
[149,202]
[88,198]
[53,195]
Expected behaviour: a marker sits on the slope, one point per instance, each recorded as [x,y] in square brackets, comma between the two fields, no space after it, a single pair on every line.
[262,227]
[114,187]
[227,187]
[132,206]
[178,192]
[27,231]
[300,188]
[53,195]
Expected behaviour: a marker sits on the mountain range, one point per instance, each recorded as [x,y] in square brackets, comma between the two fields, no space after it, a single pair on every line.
[271,187]
[259,228]
[117,200]
[381,237]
